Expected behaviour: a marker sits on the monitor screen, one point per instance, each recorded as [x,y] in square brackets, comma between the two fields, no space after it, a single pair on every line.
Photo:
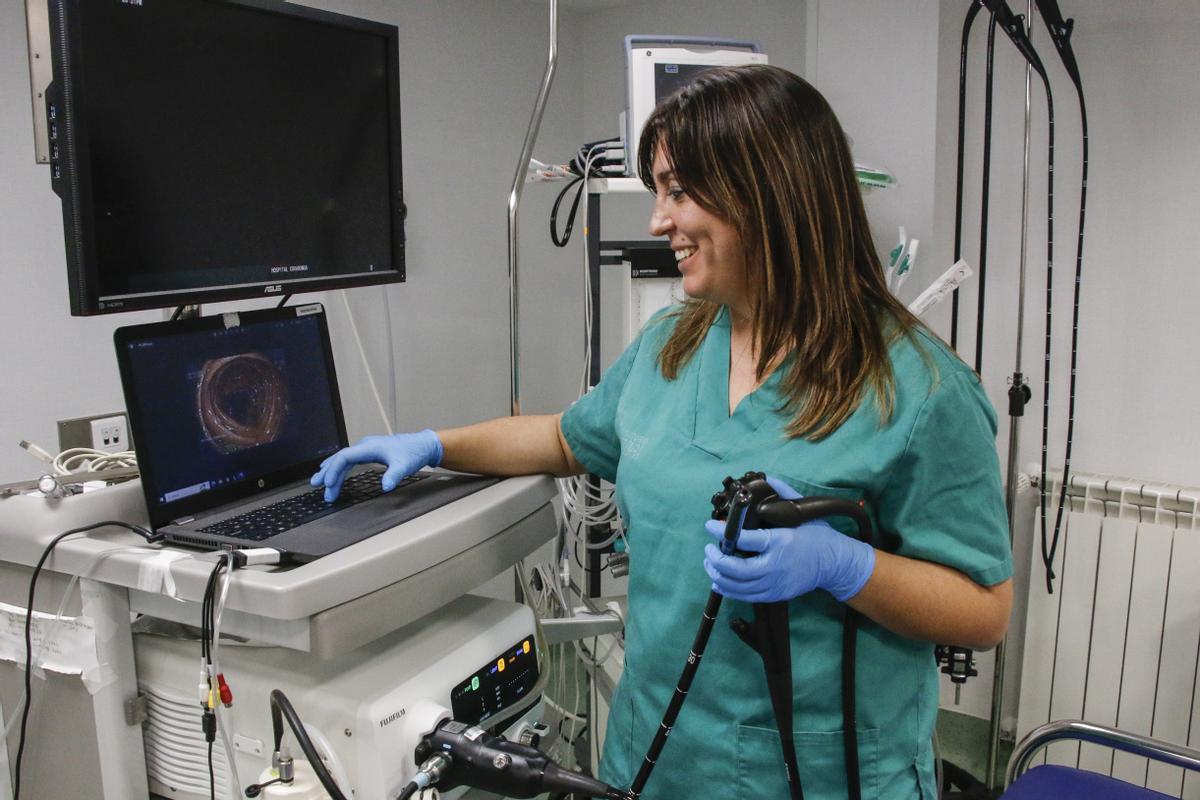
[223,149]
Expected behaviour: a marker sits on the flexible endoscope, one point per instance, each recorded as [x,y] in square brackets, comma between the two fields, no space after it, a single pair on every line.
[750,502]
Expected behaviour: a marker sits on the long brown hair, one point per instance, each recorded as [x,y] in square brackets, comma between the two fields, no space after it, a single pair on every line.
[761,148]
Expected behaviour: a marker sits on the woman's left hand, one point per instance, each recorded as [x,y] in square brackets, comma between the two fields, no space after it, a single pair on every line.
[789,562]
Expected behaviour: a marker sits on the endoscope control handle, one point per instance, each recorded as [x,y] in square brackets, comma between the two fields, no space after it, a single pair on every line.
[1014,26]
[780,513]
[735,522]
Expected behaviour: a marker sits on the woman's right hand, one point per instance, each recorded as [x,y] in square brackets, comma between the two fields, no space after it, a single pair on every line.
[402,453]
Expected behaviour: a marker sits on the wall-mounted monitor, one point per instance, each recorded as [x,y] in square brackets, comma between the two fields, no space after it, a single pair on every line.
[655,66]
[212,150]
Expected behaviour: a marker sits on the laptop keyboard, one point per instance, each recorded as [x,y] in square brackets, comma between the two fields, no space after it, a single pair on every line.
[262,523]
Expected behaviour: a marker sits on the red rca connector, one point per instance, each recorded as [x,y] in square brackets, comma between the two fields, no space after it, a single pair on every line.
[224,690]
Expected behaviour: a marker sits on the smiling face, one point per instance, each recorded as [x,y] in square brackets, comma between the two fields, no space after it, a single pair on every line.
[708,249]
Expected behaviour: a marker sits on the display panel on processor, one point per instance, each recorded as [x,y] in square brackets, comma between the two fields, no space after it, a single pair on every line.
[222,150]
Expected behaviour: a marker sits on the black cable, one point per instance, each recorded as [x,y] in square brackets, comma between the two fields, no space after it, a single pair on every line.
[177,313]
[283,301]
[140,531]
[281,709]
[585,161]
[207,632]
[566,236]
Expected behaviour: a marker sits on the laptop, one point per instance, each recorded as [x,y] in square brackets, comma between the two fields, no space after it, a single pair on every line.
[231,415]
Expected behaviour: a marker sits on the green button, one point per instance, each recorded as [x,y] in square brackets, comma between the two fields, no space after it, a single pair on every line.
[475,683]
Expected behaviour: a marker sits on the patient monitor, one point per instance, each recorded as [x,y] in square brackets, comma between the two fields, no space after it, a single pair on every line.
[655,66]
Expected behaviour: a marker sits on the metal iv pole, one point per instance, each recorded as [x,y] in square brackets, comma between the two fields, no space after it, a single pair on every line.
[1018,395]
[514,204]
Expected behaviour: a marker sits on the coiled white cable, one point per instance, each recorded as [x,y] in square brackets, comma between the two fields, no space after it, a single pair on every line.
[85,459]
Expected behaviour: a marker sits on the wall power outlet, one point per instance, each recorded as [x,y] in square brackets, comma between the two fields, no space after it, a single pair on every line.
[108,433]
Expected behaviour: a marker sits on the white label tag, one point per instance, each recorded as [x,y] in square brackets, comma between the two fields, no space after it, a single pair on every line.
[66,645]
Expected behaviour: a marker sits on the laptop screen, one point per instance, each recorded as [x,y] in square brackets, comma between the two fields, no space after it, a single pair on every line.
[227,406]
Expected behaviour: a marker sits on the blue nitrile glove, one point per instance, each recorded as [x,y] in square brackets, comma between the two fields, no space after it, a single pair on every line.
[403,453]
[789,561]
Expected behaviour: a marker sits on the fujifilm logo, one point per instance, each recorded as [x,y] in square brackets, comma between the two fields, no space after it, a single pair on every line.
[383,723]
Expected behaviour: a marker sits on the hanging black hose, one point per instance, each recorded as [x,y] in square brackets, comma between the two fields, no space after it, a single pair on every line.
[986,192]
[1060,34]
[972,12]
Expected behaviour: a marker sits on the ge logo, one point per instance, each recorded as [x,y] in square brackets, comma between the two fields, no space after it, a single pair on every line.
[261,483]
[691,658]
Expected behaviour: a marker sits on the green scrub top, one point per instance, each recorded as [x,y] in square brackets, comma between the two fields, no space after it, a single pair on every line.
[931,479]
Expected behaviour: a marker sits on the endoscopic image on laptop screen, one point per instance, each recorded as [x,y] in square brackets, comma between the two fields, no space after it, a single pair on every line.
[233,404]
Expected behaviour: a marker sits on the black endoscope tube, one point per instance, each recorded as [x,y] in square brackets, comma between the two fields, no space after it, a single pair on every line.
[681,689]
[709,617]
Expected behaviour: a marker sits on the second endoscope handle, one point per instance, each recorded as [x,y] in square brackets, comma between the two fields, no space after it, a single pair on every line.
[494,764]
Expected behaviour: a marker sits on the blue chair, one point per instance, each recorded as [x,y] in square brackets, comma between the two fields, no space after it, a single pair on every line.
[1050,782]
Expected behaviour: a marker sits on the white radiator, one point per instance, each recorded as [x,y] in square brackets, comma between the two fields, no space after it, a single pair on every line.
[1118,641]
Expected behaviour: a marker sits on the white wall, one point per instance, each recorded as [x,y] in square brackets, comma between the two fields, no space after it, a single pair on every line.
[877,66]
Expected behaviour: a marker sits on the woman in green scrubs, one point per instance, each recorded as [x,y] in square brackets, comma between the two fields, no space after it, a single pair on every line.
[791,358]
